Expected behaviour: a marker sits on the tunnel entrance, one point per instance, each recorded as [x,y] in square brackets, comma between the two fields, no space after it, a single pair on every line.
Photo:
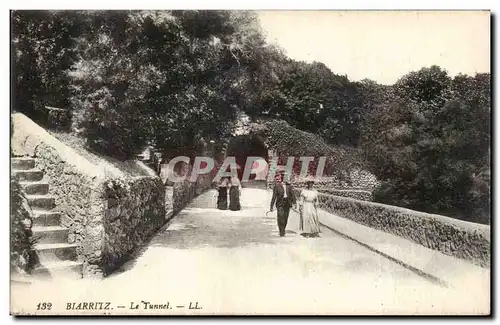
[244,146]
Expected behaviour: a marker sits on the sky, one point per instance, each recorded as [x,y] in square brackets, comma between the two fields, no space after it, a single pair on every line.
[383,46]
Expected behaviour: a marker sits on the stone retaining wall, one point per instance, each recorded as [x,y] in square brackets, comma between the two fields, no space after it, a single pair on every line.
[106,228]
[135,210]
[79,200]
[185,191]
[461,239]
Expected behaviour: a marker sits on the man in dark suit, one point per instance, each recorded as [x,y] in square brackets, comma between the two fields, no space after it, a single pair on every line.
[284,198]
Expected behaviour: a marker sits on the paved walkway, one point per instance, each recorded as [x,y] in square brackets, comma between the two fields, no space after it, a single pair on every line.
[234,262]
[445,269]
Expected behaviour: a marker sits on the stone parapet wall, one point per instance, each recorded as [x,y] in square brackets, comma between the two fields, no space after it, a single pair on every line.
[461,239]
[355,194]
[357,180]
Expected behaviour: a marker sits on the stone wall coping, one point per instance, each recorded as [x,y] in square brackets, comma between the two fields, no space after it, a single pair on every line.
[341,190]
[471,226]
[434,265]
[27,136]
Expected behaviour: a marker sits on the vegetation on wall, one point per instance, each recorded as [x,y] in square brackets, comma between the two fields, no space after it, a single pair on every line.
[288,141]
[173,79]
[22,258]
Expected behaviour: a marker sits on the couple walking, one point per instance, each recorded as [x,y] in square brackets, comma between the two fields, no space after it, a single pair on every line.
[234,185]
[284,198]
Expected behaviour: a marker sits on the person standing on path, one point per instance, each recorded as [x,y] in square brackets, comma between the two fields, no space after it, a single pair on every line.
[235,194]
[284,199]
[222,195]
[308,208]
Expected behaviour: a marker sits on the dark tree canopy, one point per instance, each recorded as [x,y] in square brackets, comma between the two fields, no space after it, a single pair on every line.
[430,145]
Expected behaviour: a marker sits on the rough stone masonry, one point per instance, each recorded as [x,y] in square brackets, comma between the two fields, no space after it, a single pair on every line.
[109,213]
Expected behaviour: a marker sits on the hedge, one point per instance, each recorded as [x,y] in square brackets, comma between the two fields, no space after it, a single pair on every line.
[287,141]
[22,253]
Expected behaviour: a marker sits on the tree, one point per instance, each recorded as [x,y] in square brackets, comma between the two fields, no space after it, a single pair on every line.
[430,144]
[430,85]
[312,98]
[22,257]
[42,54]
[166,78]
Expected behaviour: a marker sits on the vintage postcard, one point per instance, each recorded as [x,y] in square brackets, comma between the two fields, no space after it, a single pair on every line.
[222,162]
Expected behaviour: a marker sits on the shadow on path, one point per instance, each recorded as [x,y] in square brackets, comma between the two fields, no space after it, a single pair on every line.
[200,226]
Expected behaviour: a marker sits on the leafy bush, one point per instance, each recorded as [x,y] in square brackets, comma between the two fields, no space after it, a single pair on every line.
[116,189]
[355,194]
[288,141]
[22,257]
[310,97]
[42,52]
[429,144]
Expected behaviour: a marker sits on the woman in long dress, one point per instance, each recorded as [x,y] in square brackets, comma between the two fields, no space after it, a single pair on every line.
[222,197]
[309,221]
[234,194]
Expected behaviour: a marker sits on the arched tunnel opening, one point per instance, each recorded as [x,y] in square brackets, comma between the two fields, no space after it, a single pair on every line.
[244,146]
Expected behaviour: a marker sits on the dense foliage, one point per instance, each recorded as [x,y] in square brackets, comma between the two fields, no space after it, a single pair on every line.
[175,79]
[288,141]
[42,53]
[430,144]
[169,78]
[131,78]
[310,97]
[21,241]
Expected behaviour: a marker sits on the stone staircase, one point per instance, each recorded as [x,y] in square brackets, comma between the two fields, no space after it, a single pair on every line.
[55,256]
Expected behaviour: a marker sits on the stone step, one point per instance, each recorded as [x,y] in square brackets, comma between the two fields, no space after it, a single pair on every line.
[41,202]
[46,218]
[22,163]
[50,234]
[32,175]
[59,269]
[56,252]
[35,187]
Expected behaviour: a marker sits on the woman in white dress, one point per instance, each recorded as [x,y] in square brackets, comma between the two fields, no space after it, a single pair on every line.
[308,205]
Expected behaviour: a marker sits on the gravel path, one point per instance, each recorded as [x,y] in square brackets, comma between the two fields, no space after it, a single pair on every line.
[234,262]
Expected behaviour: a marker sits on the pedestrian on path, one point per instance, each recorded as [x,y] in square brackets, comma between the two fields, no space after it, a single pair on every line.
[234,194]
[284,199]
[308,209]
[222,197]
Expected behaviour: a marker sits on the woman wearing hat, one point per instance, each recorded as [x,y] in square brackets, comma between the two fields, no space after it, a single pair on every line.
[234,193]
[222,197]
[308,206]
